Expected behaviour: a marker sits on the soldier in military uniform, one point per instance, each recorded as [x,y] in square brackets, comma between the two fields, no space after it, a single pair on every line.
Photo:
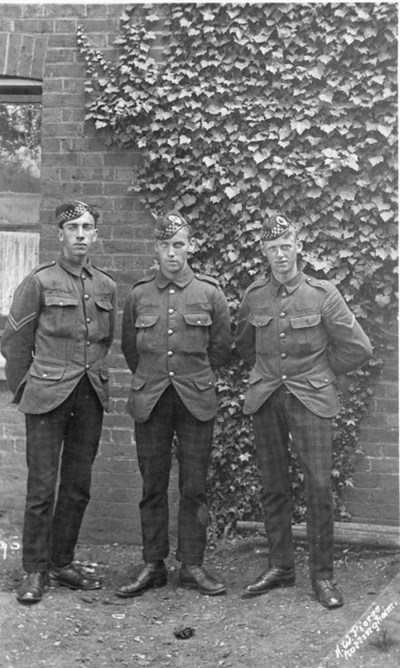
[298,334]
[175,333]
[58,332]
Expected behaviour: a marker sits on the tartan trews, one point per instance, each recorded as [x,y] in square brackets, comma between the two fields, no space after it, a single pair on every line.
[312,438]
[154,447]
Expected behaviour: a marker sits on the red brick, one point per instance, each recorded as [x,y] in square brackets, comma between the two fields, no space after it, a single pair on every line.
[39,54]
[39,25]
[66,10]
[372,435]
[63,25]
[14,47]
[60,56]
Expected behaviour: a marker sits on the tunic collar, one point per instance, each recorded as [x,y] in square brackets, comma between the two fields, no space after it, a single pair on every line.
[182,281]
[74,269]
[289,287]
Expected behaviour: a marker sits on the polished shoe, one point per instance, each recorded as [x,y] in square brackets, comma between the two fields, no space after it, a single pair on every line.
[196,577]
[32,588]
[273,577]
[328,594]
[153,575]
[70,576]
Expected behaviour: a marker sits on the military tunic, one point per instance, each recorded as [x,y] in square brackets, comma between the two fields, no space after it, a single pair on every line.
[300,334]
[60,327]
[175,332]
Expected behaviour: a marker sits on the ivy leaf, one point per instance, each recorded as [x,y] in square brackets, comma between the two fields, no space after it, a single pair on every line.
[231,192]
[376,160]
[326,97]
[385,130]
[188,200]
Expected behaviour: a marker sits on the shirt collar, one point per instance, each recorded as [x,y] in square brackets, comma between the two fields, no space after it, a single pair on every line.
[289,287]
[184,278]
[74,269]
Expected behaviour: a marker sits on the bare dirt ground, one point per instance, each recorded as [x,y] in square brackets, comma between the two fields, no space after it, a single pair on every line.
[285,628]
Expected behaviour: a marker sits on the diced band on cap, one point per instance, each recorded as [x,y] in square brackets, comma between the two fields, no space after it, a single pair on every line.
[274,227]
[168,225]
[73,210]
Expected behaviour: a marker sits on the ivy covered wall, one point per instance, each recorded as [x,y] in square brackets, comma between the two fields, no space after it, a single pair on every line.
[240,110]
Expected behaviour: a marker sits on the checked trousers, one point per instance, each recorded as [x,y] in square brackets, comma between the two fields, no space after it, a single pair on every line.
[312,438]
[154,440]
[51,526]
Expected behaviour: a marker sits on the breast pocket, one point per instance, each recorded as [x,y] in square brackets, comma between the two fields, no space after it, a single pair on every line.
[262,322]
[196,333]
[307,331]
[60,315]
[148,336]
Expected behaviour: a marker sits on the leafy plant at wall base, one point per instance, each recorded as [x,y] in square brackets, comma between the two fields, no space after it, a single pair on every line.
[239,110]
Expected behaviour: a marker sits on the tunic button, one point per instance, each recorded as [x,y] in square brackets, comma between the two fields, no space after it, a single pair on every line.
[170,353]
[44,375]
[170,310]
[172,291]
[170,331]
[83,276]
[87,319]
[88,343]
[282,315]
[284,294]
[282,335]
[87,297]
[171,373]
[87,366]
[283,355]
[284,377]
[61,303]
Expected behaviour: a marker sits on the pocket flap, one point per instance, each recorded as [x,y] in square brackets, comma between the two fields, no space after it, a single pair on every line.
[146,320]
[104,304]
[310,320]
[322,379]
[137,383]
[46,371]
[198,319]
[204,384]
[60,299]
[255,377]
[260,319]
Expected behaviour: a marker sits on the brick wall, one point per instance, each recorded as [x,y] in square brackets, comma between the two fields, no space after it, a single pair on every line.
[375,496]
[39,41]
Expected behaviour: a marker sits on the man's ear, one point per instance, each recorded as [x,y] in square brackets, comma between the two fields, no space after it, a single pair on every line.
[192,245]
[299,246]
[60,234]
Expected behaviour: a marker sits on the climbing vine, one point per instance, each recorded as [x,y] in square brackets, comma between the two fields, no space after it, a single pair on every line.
[242,109]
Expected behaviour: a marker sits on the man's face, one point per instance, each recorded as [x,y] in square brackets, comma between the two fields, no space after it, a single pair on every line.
[172,253]
[282,254]
[77,236]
